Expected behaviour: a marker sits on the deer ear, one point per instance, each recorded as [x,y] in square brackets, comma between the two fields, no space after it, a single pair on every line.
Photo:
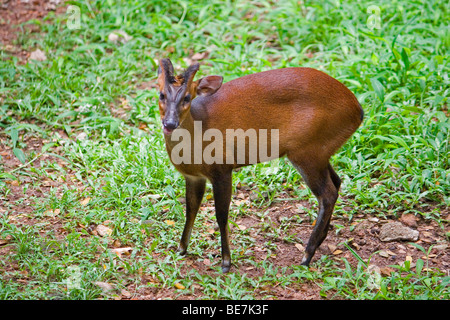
[208,85]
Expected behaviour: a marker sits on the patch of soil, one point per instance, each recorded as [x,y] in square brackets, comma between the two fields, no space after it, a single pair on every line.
[25,190]
[288,227]
[362,235]
[13,13]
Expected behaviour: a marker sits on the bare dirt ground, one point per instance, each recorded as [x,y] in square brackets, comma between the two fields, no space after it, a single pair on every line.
[362,233]
[13,13]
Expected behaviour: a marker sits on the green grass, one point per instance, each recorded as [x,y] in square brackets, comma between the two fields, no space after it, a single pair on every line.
[397,162]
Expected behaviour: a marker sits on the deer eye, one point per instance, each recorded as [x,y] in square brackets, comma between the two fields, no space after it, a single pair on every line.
[187,98]
[161,96]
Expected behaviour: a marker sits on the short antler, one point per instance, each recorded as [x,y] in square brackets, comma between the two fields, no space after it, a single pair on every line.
[166,70]
[189,74]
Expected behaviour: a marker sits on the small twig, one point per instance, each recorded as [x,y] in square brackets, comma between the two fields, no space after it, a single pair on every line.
[26,164]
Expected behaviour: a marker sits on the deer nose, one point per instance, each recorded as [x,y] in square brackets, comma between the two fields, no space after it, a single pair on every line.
[171,124]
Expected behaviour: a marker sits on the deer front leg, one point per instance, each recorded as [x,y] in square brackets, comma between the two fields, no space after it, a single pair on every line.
[195,188]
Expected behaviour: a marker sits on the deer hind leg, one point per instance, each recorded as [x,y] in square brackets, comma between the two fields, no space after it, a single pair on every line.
[324,183]
[222,198]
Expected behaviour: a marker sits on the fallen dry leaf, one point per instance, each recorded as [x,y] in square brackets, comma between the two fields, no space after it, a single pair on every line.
[355,245]
[122,251]
[207,262]
[85,201]
[332,247]
[383,254]
[409,219]
[299,209]
[179,286]
[125,294]
[51,212]
[199,55]
[169,222]
[300,247]
[309,54]
[410,260]
[336,252]
[116,244]
[386,271]
[13,182]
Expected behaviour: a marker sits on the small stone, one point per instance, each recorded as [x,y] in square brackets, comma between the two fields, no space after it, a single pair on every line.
[103,231]
[441,247]
[81,136]
[199,56]
[38,55]
[397,231]
[253,196]
[119,36]
[104,286]
[362,227]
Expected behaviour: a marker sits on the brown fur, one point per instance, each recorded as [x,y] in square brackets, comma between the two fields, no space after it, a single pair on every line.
[314,113]
[314,118]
